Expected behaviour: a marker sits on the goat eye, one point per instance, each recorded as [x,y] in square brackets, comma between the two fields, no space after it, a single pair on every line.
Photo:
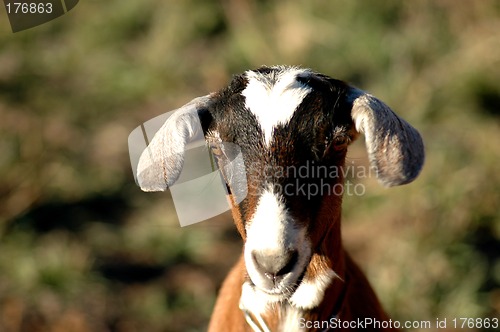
[336,144]
[340,142]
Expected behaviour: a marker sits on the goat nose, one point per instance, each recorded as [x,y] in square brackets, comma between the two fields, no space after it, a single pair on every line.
[275,266]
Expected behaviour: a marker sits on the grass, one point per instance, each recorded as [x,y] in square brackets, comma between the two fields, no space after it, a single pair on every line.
[82,249]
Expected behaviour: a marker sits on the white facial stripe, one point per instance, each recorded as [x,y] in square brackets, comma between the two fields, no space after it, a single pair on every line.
[310,293]
[274,104]
[267,228]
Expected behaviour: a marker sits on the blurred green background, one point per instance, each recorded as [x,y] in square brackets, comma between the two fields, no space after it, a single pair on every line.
[83,249]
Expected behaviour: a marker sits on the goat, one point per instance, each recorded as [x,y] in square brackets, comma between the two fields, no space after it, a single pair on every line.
[293,274]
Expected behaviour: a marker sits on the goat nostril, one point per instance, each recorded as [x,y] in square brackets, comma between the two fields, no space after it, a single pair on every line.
[293,257]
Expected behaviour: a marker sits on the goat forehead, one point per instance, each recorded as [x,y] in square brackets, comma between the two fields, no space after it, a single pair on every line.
[274,96]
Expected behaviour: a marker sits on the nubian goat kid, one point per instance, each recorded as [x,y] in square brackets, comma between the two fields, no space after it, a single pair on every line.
[293,274]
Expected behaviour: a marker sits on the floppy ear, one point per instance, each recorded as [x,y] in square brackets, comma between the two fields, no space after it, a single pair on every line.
[161,162]
[395,148]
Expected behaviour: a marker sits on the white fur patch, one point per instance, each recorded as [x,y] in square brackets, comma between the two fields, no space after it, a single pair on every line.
[256,303]
[310,293]
[291,321]
[252,300]
[273,102]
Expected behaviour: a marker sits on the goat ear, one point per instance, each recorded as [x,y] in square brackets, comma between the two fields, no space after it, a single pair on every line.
[161,162]
[395,148]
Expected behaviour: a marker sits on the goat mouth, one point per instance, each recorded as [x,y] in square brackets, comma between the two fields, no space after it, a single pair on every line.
[275,295]
[282,292]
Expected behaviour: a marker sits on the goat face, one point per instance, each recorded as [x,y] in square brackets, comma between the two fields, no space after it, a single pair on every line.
[292,127]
